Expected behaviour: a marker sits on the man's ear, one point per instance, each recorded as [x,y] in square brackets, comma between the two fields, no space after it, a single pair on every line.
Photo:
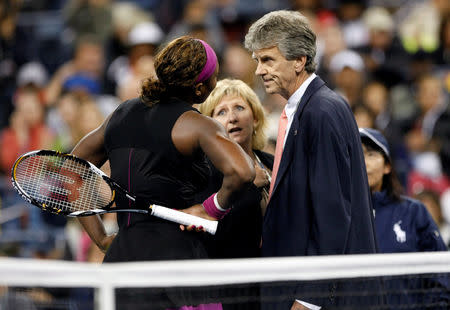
[300,64]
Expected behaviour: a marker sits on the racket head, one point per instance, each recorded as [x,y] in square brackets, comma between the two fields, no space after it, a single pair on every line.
[62,183]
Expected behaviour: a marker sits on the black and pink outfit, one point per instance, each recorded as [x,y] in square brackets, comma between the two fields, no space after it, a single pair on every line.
[144,161]
[238,233]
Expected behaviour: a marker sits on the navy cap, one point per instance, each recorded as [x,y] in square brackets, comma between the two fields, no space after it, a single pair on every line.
[80,81]
[376,137]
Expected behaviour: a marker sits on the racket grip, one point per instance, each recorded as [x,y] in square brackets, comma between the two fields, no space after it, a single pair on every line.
[183,218]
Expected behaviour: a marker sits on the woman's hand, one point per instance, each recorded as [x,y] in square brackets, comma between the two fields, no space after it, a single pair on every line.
[197,210]
[262,177]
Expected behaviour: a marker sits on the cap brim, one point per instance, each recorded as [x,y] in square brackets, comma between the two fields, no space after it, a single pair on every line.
[365,133]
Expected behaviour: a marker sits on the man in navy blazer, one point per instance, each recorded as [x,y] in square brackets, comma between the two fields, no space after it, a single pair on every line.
[320,202]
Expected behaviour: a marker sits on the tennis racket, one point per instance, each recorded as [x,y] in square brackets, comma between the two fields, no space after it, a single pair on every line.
[64,184]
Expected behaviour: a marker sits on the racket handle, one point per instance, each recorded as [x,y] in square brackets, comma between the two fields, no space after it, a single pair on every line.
[183,218]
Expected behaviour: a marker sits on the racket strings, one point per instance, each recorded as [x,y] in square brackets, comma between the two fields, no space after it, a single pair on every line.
[62,184]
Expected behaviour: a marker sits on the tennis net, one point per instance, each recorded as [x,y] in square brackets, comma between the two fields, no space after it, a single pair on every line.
[379,281]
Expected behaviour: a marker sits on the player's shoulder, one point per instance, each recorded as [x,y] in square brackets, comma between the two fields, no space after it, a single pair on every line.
[199,123]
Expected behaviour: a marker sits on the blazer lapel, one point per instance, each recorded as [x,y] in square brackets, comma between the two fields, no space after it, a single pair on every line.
[288,151]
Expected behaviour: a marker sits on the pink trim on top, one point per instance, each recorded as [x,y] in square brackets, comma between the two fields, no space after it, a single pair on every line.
[129,185]
[199,307]
[210,65]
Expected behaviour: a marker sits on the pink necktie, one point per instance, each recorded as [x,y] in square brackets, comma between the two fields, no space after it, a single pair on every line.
[279,148]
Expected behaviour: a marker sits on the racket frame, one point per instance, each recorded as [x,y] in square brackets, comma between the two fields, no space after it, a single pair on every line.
[112,185]
[210,226]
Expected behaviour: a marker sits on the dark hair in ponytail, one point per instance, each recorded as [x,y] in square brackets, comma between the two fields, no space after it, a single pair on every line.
[177,67]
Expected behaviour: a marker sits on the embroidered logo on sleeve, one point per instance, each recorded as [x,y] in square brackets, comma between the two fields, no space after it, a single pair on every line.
[399,232]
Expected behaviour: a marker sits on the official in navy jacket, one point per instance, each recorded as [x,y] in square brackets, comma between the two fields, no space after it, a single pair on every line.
[320,201]
[402,225]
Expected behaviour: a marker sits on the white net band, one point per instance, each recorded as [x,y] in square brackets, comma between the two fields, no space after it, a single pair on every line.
[107,278]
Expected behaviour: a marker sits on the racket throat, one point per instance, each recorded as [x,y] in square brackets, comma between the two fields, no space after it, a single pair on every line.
[130,197]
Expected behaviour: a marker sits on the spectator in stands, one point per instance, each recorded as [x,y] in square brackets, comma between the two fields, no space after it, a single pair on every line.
[384,57]
[90,117]
[15,43]
[363,115]
[431,200]
[320,199]
[431,103]
[63,119]
[422,144]
[375,97]
[89,17]
[87,61]
[442,54]
[125,16]
[441,133]
[74,115]
[143,41]
[348,74]
[418,24]
[198,20]
[11,300]
[27,130]
[350,15]
[312,6]
[237,63]
[84,74]
[402,224]
[32,75]
[17,47]
[330,41]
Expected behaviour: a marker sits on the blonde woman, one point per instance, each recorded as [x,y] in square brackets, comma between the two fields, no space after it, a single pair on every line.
[236,106]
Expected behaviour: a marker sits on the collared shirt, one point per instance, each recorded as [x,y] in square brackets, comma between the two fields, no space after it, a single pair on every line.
[308,305]
[290,109]
[293,102]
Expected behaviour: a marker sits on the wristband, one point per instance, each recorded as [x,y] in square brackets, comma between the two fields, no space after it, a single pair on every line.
[216,203]
[213,208]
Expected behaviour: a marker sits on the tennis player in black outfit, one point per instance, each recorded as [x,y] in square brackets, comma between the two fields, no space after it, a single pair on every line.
[156,145]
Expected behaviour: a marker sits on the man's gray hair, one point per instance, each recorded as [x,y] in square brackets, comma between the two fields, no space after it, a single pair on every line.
[289,30]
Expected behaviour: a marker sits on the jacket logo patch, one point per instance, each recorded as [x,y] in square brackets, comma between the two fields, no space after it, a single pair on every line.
[399,232]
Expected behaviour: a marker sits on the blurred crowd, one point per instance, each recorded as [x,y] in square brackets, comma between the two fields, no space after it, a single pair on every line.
[67,64]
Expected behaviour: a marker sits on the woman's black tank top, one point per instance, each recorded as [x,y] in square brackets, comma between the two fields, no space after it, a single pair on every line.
[145,162]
